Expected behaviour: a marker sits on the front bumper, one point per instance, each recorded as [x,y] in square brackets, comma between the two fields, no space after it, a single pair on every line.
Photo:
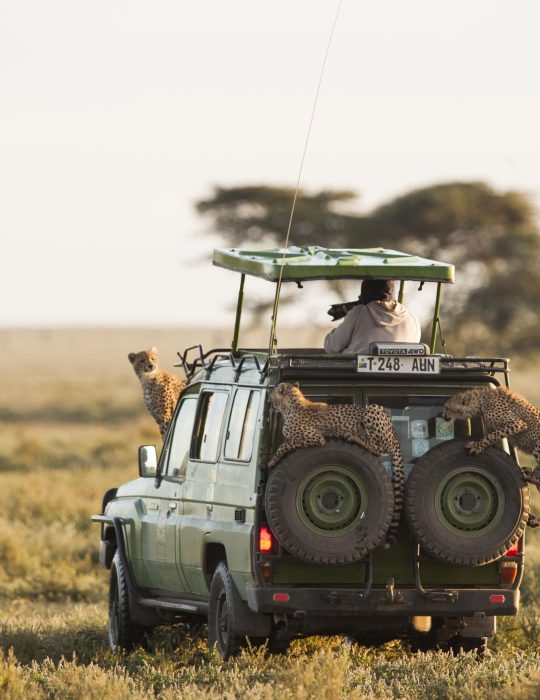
[389,601]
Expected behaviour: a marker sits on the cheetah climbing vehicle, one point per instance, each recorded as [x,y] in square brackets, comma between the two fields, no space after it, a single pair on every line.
[209,532]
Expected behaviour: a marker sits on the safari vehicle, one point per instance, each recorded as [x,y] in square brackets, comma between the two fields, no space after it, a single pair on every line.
[209,532]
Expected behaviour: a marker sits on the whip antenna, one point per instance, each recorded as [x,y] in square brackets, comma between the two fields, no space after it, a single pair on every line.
[273,341]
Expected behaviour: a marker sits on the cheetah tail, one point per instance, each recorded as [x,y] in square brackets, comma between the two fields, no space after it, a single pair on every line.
[398,483]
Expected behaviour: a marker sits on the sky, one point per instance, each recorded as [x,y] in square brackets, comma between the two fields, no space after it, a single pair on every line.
[117,115]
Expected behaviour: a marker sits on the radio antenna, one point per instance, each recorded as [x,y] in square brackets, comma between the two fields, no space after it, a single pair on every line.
[273,341]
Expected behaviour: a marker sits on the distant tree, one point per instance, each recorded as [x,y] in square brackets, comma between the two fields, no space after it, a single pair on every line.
[492,237]
[259,213]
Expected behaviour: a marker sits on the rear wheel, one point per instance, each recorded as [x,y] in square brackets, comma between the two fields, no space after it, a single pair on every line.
[278,642]
[464,644]
[224,609]
[123,631]
[331,504]
[466,509]
[457,644]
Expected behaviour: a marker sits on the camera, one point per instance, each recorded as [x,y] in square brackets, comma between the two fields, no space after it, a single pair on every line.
[339,311]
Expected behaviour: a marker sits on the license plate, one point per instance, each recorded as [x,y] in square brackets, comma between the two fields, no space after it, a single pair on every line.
[397,365]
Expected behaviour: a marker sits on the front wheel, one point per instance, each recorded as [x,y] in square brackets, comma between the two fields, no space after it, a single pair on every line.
[123,632]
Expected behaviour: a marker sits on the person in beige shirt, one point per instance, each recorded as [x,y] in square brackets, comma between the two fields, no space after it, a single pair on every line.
[380,318]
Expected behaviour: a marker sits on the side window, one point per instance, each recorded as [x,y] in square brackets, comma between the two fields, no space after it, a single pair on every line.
[211,411]
[242,424]
[178,449]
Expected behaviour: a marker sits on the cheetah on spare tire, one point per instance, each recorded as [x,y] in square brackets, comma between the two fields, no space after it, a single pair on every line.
[507,415]
[160,389]
[308,424]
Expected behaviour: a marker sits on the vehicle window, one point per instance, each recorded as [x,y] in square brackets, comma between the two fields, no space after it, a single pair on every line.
[211,411]
[242,423]
[419,424]
[178,448]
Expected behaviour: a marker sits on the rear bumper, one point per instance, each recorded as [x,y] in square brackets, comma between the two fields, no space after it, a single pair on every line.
[381,601]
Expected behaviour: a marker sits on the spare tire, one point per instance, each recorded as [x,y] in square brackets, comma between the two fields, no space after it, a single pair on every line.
[463,508]
[331,504]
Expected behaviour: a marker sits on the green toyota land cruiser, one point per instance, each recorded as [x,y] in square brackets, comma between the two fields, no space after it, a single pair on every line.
[197,534]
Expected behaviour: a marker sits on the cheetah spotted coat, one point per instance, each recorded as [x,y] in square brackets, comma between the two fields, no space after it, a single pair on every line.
[160,389]
[506,415]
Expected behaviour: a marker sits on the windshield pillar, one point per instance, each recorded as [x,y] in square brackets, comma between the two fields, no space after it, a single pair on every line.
[239,305]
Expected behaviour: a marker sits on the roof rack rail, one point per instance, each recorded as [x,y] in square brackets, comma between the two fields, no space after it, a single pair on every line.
[492,365]
[201,360]
[219,356]
[238,368]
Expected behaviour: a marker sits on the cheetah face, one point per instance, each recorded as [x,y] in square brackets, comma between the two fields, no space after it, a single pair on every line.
[462,405]
[277,395]
[144,362]
[282,394]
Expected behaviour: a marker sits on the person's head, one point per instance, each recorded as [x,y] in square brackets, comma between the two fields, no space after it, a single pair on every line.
[377,290]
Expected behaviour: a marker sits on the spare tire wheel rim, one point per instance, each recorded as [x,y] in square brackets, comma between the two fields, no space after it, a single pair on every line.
[331,500]
[469,502]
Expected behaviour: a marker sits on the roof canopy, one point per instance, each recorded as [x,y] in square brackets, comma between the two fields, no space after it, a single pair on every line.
[316,263]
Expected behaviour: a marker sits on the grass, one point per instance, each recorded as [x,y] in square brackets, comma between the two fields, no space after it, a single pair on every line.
[71,417]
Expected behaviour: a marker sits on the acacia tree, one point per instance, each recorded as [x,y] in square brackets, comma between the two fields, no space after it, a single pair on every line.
[492,237]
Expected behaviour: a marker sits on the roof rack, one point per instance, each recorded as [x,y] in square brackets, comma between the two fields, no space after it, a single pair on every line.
[314,361]
[491,365]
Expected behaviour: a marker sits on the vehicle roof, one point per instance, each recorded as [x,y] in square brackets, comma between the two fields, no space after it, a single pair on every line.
[317,263]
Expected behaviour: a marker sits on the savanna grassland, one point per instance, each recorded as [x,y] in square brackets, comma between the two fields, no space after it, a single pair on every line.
[71,418]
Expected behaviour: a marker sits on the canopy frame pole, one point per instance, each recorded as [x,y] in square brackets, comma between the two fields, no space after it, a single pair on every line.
[401,291]
[239,304]
[436,321]
[272,344]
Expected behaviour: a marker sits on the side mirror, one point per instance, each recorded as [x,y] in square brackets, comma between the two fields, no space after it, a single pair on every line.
[148,461]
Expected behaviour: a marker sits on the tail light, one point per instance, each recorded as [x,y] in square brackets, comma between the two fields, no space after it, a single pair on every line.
[497,598]
[508,569]
[266,545]
[514,550]
[265,540]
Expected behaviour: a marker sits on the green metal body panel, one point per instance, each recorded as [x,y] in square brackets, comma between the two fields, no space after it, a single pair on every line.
[316,263]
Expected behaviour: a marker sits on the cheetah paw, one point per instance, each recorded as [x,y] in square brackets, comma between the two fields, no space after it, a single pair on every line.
[533,521]
[531,477]
[473,448]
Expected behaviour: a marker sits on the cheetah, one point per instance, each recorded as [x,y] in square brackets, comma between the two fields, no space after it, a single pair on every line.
[308,424]
[507,415]
[160,389]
